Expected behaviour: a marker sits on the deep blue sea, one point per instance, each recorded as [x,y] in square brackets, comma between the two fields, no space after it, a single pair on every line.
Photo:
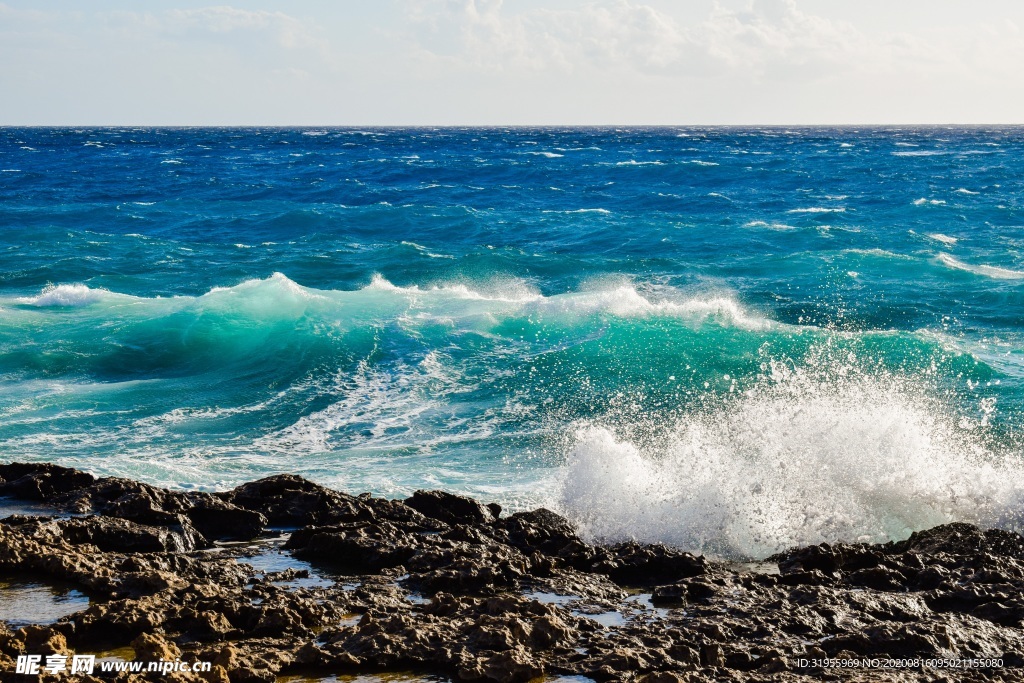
[732,340]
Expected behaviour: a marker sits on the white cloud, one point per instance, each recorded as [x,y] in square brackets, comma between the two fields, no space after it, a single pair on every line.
[771,39]
[222,24]
[287,31]
[521,61]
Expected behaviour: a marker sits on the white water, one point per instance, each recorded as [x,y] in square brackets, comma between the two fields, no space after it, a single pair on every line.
[994,272]
[798,460]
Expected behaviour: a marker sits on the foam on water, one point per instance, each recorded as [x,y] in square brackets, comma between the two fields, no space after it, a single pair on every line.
[278,297]
[384,406]
[800,458]
[945,239]
[66,295]
[994,272]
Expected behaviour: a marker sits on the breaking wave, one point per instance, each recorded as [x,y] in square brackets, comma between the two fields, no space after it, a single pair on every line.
[798,459]
[994,272]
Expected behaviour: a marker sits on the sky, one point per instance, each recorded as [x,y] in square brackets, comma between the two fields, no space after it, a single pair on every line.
[511,62]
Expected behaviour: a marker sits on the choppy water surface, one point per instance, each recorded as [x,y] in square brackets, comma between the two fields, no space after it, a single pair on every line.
[732,340]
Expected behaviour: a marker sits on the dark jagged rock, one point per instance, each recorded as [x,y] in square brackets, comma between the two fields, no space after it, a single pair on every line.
[440,583]
[540,530]
[449,508]
[669,596]
[633,564]
[290,501]
[359,549]
[287,500]
[110,534]
[80,493]
[40,482]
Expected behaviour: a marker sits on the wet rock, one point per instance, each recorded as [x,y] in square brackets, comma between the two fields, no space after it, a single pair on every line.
[287,500]
[40,482]
[449,508]
[539,530]
[440,583]
[222,521]
[145,504]
[633,564]
[712,655]
[962,539]
[116,535]
[358,548]
[290,501]
[880,578]
[673,595]
[80,493]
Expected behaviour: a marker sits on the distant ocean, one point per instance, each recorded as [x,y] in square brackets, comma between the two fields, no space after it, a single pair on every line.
[731,340]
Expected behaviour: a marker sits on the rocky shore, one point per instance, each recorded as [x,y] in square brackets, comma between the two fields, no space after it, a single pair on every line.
[442,585]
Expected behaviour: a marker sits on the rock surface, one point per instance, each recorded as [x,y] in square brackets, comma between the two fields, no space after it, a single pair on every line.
[443,584]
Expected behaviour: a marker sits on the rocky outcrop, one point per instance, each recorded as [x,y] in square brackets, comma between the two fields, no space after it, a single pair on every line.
[443,584]
[201,515]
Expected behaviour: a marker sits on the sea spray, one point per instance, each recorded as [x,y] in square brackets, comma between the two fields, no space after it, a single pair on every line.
[804,456]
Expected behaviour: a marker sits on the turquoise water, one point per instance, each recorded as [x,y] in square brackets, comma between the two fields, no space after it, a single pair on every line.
[727,339]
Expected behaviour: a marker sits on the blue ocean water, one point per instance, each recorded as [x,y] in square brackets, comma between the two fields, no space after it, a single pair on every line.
[728,339]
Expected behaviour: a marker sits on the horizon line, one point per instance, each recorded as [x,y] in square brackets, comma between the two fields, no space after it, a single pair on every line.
[511,125]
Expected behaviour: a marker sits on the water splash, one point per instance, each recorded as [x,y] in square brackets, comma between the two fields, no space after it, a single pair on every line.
[805,456]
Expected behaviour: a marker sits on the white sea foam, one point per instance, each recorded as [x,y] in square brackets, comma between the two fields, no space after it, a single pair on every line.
[797,460]
[626,301]
[618,299]
[279,297]
[939,237]
[379,407]
[426,252]
[994,272]
[506,290]
[277,282]
[922,153]
[933,202]
[66,295]
[964,190]
[597,210]
[875,251]
[819,209]
[769,226]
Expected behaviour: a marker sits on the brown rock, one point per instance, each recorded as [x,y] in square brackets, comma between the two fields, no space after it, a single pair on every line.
[152,647]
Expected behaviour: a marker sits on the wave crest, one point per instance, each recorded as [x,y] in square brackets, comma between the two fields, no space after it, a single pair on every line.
[994,272]
[71,296]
